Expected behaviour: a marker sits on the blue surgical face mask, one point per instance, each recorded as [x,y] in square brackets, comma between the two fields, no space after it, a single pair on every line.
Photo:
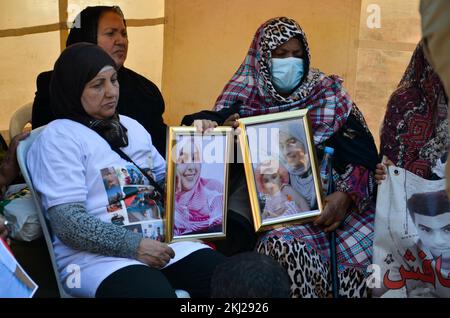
[287,73]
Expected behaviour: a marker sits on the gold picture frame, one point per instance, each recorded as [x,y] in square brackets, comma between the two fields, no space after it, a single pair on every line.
[281,169]
[197,183]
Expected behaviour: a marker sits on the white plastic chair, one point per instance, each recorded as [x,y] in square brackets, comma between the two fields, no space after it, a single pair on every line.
[20,119]
[22,151]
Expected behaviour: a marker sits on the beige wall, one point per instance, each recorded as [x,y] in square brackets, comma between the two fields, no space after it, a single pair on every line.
[206,41]
[23,57]
[27,13]
[383,55]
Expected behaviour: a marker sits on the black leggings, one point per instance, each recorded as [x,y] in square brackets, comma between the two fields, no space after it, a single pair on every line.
[192,274]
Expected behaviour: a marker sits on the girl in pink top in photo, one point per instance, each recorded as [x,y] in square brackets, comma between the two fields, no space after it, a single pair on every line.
[272,181]
[198,201]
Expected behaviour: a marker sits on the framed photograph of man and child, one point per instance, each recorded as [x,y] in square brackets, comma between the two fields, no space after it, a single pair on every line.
[197,183]
[281,169]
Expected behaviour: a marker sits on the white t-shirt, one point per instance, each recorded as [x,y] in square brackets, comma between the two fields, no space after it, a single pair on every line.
[71,163]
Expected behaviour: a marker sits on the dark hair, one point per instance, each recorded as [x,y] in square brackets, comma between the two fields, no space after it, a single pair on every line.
[250,275]
[428,203]
[85,26]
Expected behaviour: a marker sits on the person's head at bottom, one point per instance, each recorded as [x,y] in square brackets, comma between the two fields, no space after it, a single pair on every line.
[250,275]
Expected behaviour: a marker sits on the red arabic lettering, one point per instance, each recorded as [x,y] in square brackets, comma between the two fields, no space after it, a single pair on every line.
[443,281]
[427,275]
[393,284]
[422,254]
[409,256]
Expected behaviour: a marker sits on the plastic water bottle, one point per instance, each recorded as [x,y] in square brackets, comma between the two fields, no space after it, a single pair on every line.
[325,170]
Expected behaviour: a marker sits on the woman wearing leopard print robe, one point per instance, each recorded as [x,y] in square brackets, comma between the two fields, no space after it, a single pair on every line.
[256,88]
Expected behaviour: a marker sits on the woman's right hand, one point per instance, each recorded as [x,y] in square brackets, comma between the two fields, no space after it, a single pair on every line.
[204,125]
[232,121]
[154,253]
[381,170]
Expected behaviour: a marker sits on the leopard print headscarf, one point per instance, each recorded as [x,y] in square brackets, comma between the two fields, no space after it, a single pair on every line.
[254,75]
[274,33]
[250,91]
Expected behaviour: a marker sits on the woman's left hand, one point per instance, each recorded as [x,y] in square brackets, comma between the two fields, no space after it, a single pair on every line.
[336,205]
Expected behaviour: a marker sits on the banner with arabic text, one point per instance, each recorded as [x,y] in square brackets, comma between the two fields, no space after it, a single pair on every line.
[412,237]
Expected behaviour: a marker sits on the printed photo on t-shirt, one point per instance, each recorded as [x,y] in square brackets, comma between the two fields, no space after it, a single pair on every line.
[123,176]
[136,176]
[112,185]
[154,230]
[115,207]
[140,205]
[129,175]
[118,219]
[136,228]
[132,204]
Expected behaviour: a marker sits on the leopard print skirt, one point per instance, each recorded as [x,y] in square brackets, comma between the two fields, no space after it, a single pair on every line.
[309,272]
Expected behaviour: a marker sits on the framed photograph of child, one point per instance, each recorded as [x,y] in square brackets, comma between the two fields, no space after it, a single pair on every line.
[281,169]
[197,183]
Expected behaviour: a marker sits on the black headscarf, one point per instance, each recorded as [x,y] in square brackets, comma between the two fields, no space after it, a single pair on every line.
[139,99]
[76,66]
[86,24]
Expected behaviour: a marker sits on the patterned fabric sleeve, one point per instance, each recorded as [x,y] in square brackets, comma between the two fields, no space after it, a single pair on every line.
[358,182]
[77,229]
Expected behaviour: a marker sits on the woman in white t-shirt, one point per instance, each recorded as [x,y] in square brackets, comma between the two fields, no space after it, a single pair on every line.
[84,189]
